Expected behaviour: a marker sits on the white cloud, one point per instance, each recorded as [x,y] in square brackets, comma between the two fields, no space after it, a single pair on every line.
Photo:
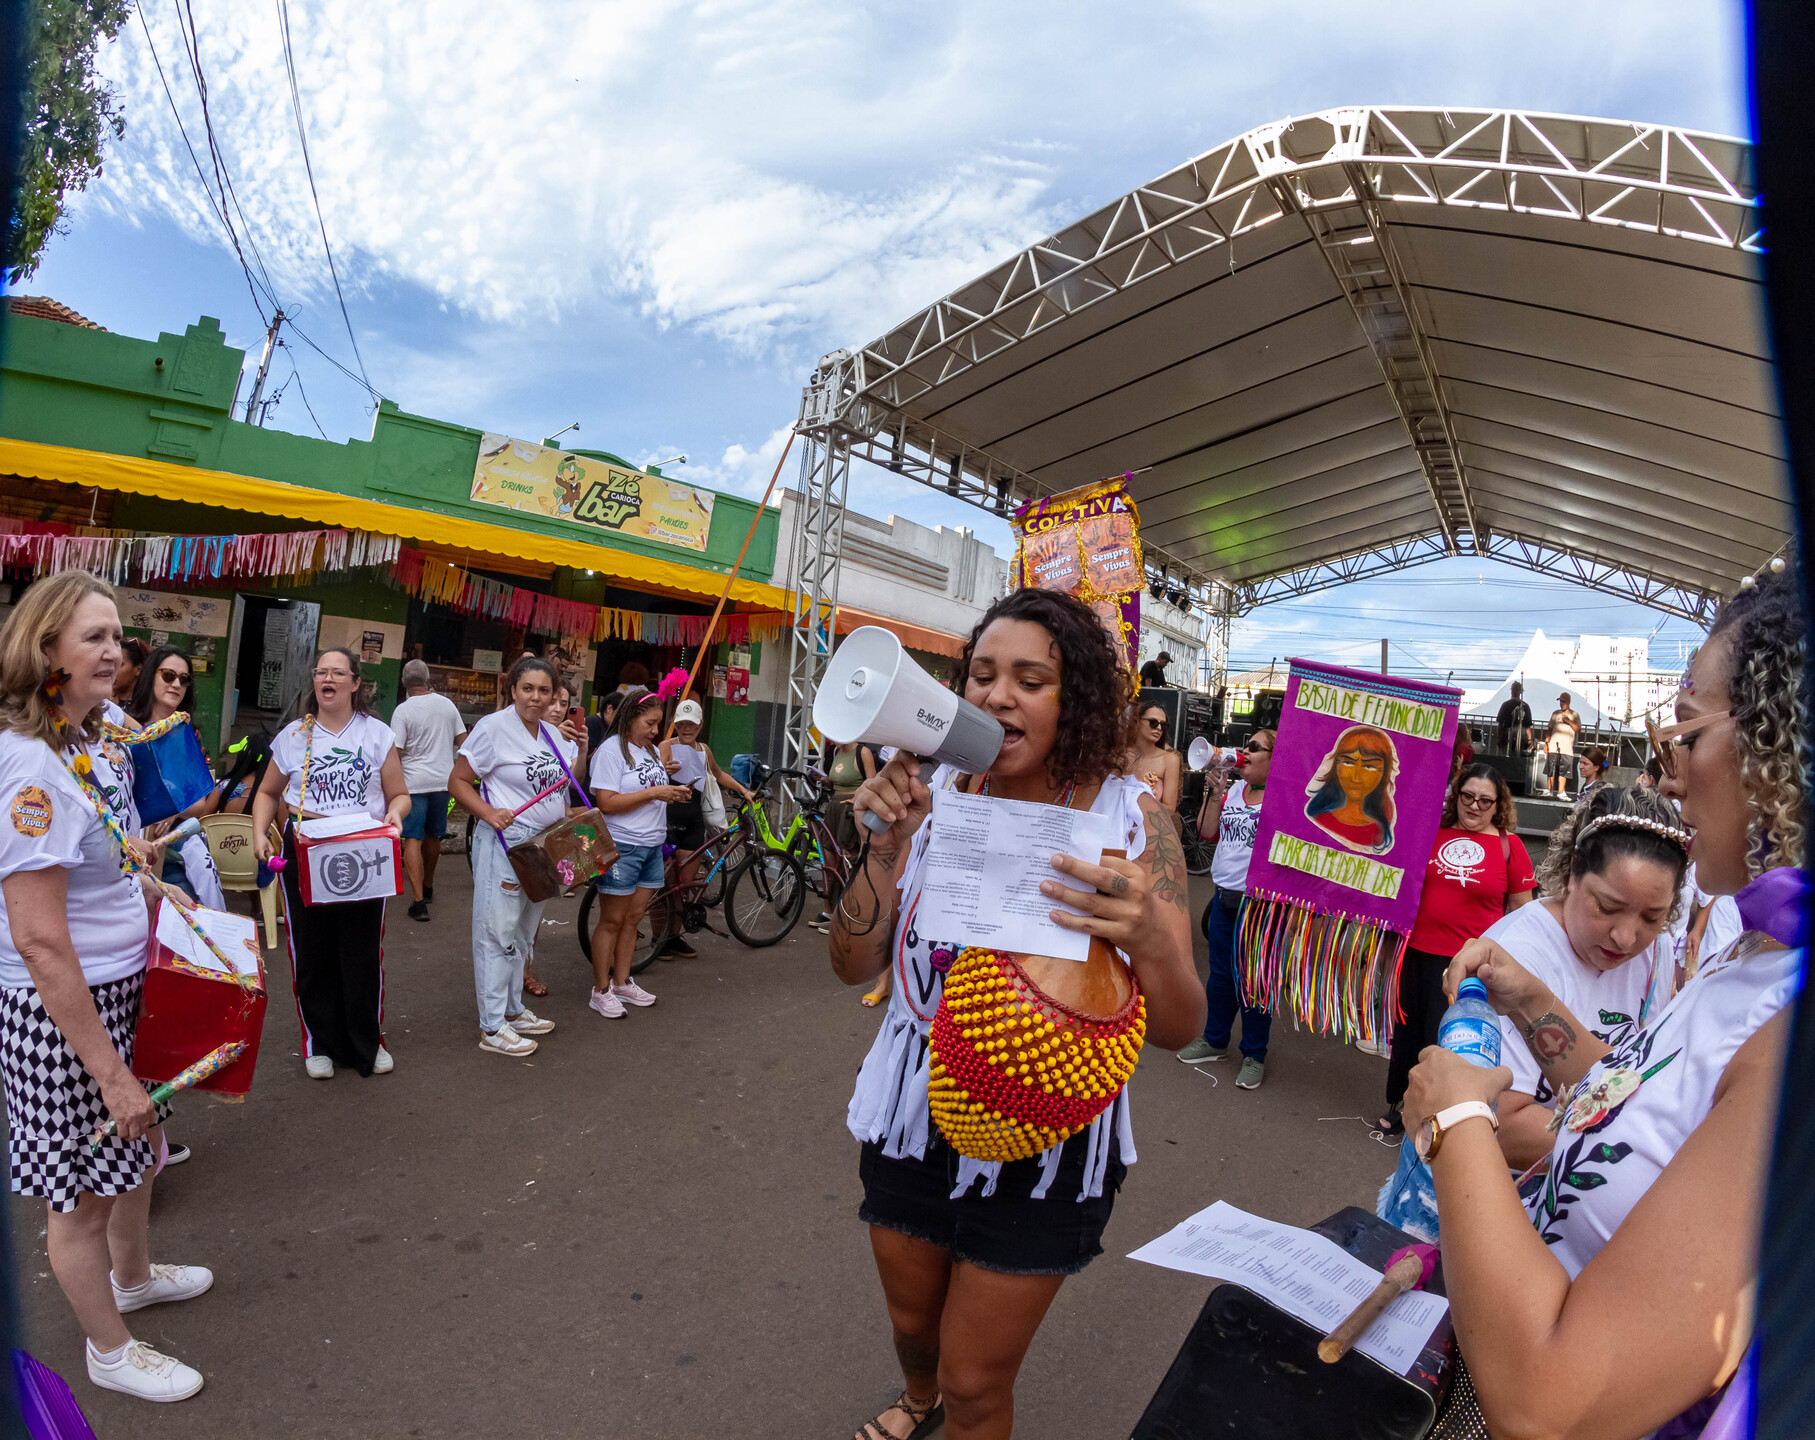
[798,171]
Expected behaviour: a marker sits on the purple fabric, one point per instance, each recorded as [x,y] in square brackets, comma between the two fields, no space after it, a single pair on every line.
[1726,1415]
[1372,867]
[1777,903]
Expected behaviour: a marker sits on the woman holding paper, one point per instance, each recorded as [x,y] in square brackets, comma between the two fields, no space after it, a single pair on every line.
[510,758]
[969,1279]
[72,970]
[339,759]
[1620,1296]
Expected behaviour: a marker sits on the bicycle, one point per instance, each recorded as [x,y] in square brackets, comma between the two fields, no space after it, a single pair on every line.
[762,887]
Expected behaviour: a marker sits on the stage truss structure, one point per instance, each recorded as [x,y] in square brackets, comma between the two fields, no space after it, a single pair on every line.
[947,398]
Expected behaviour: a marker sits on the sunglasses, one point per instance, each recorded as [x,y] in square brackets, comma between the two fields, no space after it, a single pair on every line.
[1665,740]
[174,677]
[1154,724]
[1254,749]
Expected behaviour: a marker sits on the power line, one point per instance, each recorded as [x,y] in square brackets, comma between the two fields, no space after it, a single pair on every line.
[296,375]
[283,15]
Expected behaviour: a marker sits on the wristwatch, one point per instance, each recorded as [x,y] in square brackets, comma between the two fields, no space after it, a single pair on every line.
[1430,1134]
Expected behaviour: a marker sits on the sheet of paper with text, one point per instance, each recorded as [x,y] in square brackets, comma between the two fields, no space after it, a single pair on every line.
[985,859]
[1301,1272]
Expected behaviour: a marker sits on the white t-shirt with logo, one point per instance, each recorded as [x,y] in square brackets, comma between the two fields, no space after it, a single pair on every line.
[514,766]
[647,824]
[344,766]
[427,728]
[46,820]
[1612,1003]
[1235,843]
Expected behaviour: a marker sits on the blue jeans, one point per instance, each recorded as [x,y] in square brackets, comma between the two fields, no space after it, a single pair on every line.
[504,926]
[1222,991]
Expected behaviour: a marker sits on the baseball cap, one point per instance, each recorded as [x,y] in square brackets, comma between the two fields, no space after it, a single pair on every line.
[689,711]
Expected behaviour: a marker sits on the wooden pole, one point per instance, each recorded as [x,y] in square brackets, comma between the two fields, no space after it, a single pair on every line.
[725,594]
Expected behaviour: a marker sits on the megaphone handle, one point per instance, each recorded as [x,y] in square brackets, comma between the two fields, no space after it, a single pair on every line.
[875,822]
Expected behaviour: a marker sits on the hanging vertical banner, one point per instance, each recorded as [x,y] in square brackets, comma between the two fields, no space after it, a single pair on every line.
[1086,542]
[1353,801]
[540,480]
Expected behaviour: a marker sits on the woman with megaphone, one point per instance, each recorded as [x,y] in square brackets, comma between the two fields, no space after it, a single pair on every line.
[972,1250]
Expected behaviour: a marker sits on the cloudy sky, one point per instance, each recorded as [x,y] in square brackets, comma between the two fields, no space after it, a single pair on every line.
[651,216]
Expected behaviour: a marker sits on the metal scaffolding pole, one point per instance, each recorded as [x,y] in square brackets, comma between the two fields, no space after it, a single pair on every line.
[816,552]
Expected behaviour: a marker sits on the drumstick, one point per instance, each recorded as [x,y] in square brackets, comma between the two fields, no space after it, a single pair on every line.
[1409,1269]
[214,1060]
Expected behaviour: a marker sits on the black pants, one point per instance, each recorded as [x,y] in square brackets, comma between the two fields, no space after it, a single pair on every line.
[337,968]
[1421,998]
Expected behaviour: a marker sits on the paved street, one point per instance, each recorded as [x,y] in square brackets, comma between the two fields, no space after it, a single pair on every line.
[646,1230]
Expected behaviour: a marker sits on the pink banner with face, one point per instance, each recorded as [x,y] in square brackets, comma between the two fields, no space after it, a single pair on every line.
[1355,794]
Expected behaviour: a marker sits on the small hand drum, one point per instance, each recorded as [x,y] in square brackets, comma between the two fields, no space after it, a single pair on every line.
[563,857]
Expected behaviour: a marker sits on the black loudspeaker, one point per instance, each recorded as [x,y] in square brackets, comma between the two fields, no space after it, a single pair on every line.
[1173,702]
[1249,1369]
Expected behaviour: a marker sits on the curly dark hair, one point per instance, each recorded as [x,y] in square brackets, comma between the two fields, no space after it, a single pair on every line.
[1570,859]
[1506,814]
[1764,622]
[1096,689]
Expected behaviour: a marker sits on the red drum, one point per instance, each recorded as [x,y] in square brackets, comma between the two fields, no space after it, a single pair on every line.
[347,857]
[192,1005]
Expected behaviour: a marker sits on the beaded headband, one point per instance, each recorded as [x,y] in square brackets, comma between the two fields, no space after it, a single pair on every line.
[1633,822]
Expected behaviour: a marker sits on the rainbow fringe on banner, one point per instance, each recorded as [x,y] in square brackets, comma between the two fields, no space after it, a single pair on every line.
[1335,973]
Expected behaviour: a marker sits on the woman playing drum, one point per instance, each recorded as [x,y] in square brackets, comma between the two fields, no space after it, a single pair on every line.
[339,759]
[510,758]
[72,969]
[968,1279]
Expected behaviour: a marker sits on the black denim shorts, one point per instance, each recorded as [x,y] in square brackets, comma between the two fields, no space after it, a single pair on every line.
[1010,1232]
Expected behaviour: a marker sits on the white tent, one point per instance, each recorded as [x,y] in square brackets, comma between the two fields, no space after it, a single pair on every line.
[1538,671]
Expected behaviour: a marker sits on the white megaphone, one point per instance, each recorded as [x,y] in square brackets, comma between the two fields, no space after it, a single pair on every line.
[873,692]
[1197,754]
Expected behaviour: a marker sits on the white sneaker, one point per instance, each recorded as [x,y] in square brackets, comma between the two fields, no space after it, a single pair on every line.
[527,1022]
[607,1004]
[506,1041]
[383,1064]
[320,1067]
[167,1283]
[143,1372]
[632,993]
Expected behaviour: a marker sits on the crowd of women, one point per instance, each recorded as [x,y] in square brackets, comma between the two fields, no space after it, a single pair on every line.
[1609,1297]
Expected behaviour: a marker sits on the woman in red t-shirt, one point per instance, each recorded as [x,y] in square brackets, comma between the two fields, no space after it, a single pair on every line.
[1478,871]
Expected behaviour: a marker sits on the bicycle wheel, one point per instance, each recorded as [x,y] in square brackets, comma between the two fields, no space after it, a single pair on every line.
[472,826]
[1198,851]
[714,871]
[641,958]
[805,848]
[763,900]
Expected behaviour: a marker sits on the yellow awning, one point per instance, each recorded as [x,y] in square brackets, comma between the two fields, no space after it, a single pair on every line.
[93,468]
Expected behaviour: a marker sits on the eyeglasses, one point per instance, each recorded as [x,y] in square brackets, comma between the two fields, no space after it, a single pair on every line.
[333,674]
[1476,802]
[174,677]
[1667,739]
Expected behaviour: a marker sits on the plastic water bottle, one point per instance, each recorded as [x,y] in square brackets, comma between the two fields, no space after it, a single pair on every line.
[1470,1028]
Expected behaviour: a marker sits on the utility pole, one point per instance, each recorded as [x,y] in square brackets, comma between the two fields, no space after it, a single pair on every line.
[1383,669]
[264,369]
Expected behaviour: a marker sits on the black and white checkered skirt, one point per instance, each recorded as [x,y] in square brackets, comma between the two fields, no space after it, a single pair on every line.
[54,1106]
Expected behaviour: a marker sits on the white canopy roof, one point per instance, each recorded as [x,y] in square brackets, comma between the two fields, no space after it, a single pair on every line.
[1370,337]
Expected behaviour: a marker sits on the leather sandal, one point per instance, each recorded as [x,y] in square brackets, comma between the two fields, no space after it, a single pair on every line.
[926,1417]
[1391,1123]
[533,986]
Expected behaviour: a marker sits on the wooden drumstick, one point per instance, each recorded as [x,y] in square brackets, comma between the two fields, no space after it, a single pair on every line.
[1408,1270]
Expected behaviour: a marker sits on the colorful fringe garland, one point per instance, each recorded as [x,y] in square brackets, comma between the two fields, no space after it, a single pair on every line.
[439,583]
[121,558]
[1334,973]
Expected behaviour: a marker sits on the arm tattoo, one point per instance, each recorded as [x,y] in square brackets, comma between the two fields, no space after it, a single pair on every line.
[1168,861]
[1550,1038]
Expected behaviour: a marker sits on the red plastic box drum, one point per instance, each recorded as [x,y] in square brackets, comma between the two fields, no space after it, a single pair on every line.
[193,1005]
[347,857]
